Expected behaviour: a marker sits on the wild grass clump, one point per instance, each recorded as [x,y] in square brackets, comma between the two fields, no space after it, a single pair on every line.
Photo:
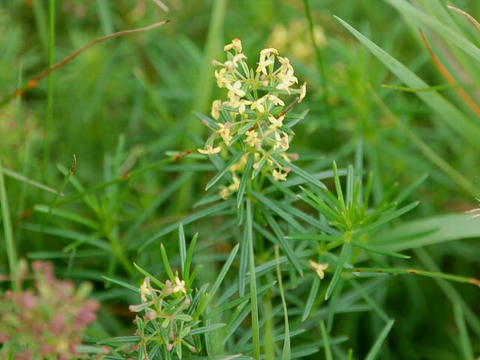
[209,204]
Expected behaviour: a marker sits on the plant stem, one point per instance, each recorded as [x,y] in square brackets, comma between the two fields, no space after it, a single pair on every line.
[50,83]
[253,285]
[7,227]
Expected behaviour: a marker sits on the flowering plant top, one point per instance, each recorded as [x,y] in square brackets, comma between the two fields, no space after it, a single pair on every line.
[253,114]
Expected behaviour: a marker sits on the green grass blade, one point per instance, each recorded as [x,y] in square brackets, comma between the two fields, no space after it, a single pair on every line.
[182,247]
[375,350]
[326,341]
[444,31]
[283,242]
[24,179]
[166,264]
[222,172]
[381,313]
[7,229]
[244,180]
[302,173]
[152,278]
[465,344]
[286,352]
[312,295]
[430,274]
[342,260]
[223,272]
[449,113]
[122,284]
[188,258]
[377,250]
[50,85]
[338,186]
[279,211]
[212,210]
[428,231]
[253,285]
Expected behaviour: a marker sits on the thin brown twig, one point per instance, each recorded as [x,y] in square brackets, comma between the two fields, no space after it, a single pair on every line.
[35,80]
[443,70]
[467,15]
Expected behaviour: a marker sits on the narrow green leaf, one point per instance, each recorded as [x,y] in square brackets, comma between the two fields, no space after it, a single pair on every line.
[209,211]
[24,179]
[326,341]
[428,231]
[222,172]
[152,278]
[283,242]
[378,250]
[311,297]
[443,30]
[188,258]
[446,111]
[244,180]
[7,229]
[213,290]
[465,344]
[166,264]
[253,285]
[275,208]
[375,350]
[286,352]
[122,284]
[370,301]
[314,237]
[183,248]
[68,215]
[302,173]
[342,260]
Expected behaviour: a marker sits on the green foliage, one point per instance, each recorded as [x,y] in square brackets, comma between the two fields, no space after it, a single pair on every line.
[279,254]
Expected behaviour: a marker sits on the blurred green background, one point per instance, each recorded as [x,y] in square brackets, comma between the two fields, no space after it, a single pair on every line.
[125,102]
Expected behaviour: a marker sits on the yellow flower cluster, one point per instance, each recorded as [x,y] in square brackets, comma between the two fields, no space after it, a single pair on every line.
[252,117]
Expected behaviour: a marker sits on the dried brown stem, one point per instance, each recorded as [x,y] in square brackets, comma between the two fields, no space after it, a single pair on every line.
[467,15]
[35,80]
[443,70]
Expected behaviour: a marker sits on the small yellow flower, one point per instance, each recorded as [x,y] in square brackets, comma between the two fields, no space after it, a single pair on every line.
[268,52]
[319,268]
[281,141]
[263,64]
[145,289]
[216,104]
[278,175]
[237,103]
[224,193]
[286,80]
[224,132]
[252,138]
[233,64]
[275,122]
[179,286]
[285,65]
[276,100]
[240,165]
[210,150]
[303,91]
[266,60]
[258,105]
[236,45]
[235,184]
[220,77]
[235,89]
